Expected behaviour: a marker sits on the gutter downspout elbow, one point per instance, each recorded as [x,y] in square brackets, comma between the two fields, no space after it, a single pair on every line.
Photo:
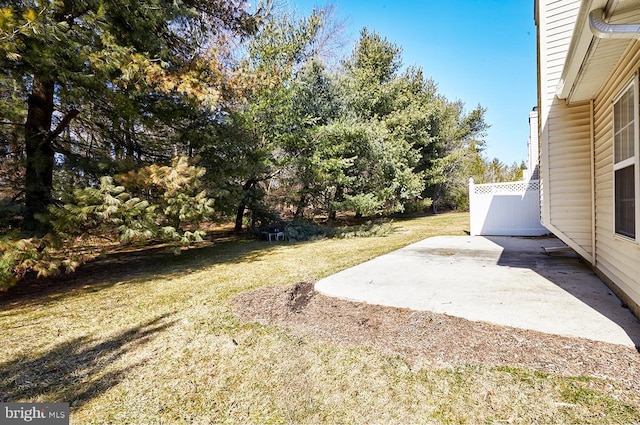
[601,29]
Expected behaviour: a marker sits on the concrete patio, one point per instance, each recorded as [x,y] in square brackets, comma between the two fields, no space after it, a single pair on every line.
[502,280]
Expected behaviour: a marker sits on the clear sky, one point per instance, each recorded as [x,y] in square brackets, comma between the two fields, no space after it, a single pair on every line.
[478,51]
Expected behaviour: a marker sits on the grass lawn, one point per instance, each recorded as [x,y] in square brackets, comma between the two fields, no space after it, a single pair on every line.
[158,343]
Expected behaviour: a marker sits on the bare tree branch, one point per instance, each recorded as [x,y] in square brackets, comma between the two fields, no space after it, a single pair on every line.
[66,120]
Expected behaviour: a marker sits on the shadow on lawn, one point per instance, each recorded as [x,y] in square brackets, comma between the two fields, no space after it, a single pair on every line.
[75,371]
[121,267]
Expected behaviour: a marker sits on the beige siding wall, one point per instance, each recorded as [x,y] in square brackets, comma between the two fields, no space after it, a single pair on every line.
[565,135]
[570,206]
[616,258]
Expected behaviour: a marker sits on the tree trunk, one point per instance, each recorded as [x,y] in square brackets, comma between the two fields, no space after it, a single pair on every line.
[38,182]
[239,217]
[302,203]
[243,204]
[338,197]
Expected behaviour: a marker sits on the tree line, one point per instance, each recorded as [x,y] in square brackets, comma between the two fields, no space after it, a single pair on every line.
[139,120]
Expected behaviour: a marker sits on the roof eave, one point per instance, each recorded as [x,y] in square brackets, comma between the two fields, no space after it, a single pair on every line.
[581,41]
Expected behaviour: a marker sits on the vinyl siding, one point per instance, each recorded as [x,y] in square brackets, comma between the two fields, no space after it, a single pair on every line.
[616,258]
[565,135]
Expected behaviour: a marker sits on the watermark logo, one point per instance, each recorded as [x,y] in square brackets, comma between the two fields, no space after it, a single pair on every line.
[34,413]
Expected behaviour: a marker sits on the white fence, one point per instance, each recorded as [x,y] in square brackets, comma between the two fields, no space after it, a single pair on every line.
[505,209]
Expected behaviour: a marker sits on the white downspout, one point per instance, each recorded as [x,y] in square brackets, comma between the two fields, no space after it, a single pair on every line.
[592,143]
[601,29]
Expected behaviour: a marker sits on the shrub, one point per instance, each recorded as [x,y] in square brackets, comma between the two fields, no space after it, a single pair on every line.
[367,230]
[305,231]
[419,206]
[163,203]
[19,256]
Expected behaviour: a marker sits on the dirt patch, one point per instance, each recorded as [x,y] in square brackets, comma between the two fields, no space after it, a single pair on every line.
[435,338]
[300,296]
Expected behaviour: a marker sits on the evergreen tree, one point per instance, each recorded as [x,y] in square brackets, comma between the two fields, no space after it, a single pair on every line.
[316,105]
[251,139]
[68,53]
[385,108]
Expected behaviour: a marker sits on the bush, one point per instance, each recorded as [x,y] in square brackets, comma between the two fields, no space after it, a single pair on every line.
[19,256]
[306,231]
[368,230]
[366,204]
[155,203]
[419,206]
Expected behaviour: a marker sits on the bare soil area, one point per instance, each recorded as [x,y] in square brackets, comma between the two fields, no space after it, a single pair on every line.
[425,337]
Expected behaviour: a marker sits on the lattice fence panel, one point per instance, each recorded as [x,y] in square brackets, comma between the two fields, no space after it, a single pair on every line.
[511,208]
[511,187]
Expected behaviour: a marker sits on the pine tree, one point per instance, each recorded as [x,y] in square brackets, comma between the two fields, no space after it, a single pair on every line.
[67,53]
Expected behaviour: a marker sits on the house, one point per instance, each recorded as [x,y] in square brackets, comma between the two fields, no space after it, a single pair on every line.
[588,124]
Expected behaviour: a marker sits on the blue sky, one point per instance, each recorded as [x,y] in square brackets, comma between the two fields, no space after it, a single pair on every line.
[478,51]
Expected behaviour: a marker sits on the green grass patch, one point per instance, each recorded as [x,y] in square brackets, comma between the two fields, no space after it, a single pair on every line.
[156,341]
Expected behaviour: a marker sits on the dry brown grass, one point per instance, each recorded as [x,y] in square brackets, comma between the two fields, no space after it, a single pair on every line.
[156,341]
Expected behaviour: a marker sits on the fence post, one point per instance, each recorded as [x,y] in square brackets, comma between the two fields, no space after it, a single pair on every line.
[472,225]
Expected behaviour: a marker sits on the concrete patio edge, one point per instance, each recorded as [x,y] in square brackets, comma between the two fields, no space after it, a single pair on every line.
[502,280]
